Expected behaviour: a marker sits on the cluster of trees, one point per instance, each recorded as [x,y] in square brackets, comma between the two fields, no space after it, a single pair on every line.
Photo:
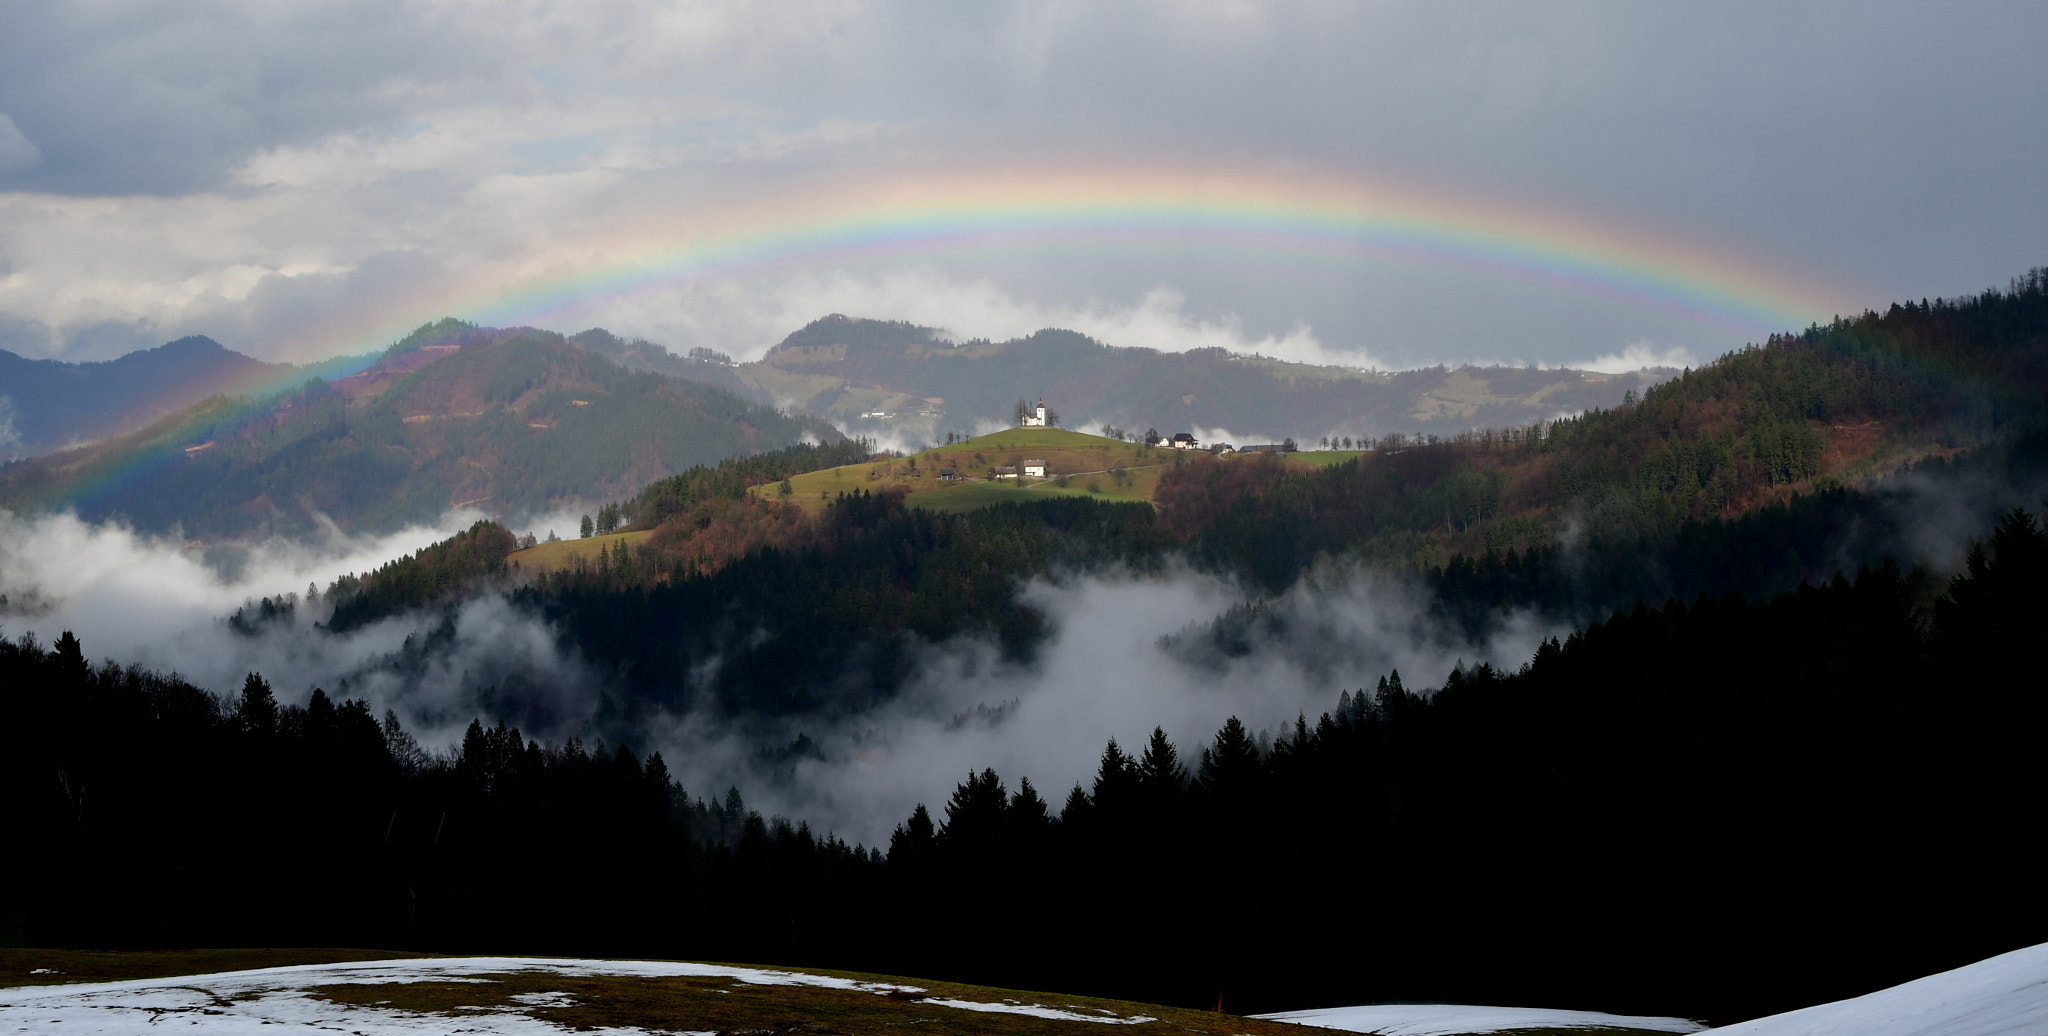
[164,815]
[607,520]
[1639,819]
[428,576]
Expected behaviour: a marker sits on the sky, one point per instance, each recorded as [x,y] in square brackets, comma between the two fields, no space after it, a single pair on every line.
[1385,184]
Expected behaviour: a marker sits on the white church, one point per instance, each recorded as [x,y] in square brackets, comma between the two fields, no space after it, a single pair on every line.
[1037,419]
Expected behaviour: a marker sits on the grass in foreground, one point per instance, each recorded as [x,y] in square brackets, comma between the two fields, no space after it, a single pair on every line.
[658,1004]
[720,1004]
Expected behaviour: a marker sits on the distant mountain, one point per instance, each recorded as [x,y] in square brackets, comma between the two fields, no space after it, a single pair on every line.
[845,368]
[642,355]
[508,421]
[47,405]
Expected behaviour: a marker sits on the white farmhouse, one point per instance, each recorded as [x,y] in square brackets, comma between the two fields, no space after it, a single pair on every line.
[1034,469]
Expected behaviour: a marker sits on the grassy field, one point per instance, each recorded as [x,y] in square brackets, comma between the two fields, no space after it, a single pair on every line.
[1077,464]
[553,557]
[1322,458]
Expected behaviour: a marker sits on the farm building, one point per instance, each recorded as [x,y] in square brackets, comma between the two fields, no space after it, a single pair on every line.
[1034,469]
[949,475]
[1006,471]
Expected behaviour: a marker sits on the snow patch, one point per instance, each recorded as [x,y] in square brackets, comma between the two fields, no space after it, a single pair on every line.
[1450,1019]
[275,1001]
[1038,1011]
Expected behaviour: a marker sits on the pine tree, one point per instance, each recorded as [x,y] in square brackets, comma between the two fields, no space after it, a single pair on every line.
[1160,773]
[910,845]
[1116,781]
[1230,766]
[257,711]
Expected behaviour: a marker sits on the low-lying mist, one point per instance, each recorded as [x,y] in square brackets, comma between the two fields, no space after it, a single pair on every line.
[1126,653]
[164,604]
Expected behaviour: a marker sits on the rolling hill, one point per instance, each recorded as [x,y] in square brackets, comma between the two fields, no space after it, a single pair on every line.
[506,421]
[844,368]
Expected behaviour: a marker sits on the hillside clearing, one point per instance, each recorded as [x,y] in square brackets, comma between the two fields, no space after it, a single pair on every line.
[564,554]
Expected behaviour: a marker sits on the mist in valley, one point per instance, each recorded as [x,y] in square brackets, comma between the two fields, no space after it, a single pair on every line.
[1126,652]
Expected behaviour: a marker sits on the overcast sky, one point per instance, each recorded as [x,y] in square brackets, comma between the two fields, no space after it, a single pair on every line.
[298,179]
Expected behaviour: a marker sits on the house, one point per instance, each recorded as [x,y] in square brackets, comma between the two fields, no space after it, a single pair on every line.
[1185,441]
[1006,471]
[1034,469]
[1037,419]
[949,475]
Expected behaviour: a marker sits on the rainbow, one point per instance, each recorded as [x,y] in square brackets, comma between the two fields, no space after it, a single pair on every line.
[1242,219]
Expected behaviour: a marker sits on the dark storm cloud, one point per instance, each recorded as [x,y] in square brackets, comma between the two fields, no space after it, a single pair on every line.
[1891,149]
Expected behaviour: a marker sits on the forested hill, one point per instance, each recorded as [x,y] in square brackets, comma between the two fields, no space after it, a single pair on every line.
[1715,810]
[1834,406]
[508,421]
[844,368]
[48,404]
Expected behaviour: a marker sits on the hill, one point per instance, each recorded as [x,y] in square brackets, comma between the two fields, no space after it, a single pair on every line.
[964,475]
[47,405]
[508,421]
[845,368]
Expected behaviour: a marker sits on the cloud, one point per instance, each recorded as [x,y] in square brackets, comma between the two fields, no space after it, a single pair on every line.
[16,151]
[1638,356]
[10,437]
[749,321]
[500,141]
[161,603]
[1106,672]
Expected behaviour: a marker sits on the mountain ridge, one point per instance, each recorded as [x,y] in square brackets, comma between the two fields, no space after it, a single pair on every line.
[847,369]
[514,420]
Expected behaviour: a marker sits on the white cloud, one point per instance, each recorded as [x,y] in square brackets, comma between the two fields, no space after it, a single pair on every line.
[16,150]
[1638,356]
[746,320]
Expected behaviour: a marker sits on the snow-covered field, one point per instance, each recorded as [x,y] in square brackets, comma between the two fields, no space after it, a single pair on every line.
[2006,995]
[281,1001]
[1457,1020]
